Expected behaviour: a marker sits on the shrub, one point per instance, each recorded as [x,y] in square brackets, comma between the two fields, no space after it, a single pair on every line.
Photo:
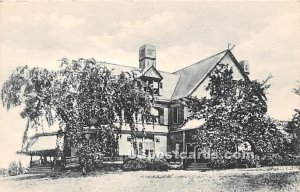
[290,159]
[15,168]
[222,163]
[3,172]
[234,163]
[272,159]
[280,159]
[155,164]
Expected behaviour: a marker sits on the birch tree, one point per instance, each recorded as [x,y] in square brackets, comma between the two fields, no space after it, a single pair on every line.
[83,96]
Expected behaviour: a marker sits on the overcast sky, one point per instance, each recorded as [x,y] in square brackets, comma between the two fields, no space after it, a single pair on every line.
[39,34]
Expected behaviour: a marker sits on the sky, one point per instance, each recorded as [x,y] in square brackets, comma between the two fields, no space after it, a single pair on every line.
[41,33]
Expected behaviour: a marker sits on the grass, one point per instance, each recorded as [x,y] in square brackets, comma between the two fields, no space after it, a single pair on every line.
[257,179]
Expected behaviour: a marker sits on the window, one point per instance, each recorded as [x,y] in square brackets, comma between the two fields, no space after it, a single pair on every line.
[140,148]
[175,115]
[149,147]
[155,85]
[177,146]
[158,115]
[145,147]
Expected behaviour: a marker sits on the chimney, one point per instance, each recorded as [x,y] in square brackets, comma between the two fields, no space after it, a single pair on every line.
[147,56]
[245,66]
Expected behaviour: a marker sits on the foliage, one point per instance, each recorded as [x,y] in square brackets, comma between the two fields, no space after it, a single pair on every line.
[234,163]
[273,159]
[294,127]
[15,168]
[235,112]
[154,164]
[3,172]
[297,89]
[84,97]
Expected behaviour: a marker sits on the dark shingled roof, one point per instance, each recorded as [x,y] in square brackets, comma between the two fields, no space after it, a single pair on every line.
[192,75]
[184,81]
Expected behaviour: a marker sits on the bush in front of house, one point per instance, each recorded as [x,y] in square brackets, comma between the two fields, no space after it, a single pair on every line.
[153,164]
[15,168]
[274,159]
[234,163]
[3,172]
[271,159]
[222,163]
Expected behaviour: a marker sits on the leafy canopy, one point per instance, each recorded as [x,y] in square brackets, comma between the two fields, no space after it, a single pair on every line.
[82,95]
[235,112]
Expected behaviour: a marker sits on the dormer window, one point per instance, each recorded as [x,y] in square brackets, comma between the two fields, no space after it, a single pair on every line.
[153,78]
[155,88]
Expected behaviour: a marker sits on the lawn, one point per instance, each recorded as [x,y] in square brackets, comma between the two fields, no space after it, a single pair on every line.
[256,179]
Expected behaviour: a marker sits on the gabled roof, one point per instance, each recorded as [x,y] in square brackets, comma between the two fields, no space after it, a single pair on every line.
[183,82]
[193,75]
[151,72]
[169,80]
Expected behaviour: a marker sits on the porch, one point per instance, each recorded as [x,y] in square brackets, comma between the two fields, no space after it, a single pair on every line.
[42,150]
[183,141]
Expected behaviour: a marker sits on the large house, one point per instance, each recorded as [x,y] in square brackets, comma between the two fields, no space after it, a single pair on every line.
[169,132]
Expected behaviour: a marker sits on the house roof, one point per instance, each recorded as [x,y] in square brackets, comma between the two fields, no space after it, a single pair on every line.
[192,75]
[40,144]
[191,125]
[152,72]
[182,82]
[169,80]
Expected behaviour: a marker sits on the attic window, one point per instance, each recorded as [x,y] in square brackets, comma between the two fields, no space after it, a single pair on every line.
[155,87]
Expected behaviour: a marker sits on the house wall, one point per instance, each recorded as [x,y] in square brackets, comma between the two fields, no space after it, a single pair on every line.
[160,144]
[124,145]
[148,127]
[125,148]
[201,92]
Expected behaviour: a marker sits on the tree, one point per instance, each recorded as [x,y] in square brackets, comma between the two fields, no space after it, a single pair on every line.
[84,97]
[235,112]
[294,126]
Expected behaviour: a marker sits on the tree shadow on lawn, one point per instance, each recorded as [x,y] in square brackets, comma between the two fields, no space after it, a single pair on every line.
[30,177]
[62,174]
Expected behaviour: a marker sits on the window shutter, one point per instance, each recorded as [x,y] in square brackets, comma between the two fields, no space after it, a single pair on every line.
[186,113]
[166,116]
[180,114]
[171,115]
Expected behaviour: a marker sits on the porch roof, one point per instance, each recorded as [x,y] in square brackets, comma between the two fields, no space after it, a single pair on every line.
[191,124]
[42,145]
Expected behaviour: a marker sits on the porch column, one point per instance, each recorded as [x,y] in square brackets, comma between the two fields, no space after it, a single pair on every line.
[143,148]
[30,164]
[183,142]
[196,154]
[183,146]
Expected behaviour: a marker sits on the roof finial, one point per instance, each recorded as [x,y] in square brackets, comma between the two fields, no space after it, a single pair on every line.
[230,46]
